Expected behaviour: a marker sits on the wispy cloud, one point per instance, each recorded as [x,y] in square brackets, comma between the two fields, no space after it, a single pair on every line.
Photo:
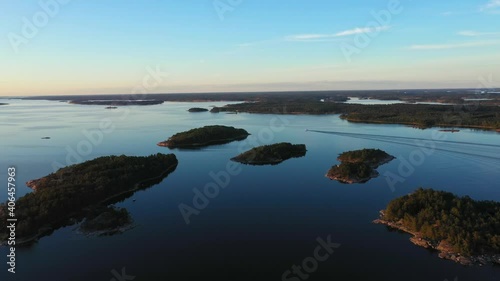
[454,46]
[457,13]
[493,6]
[362,30]
[321,37]
[471,33]
[316,37]
[304,37]
[258,43]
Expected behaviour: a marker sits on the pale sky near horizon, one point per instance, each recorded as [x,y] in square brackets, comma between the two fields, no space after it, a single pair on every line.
[53,47]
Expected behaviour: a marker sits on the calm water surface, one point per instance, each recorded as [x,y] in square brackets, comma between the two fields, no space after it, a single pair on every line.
[266,219]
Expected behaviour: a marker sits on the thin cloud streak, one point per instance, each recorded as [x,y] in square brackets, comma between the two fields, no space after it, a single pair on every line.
[471,33]
[354,31]
[454,46]
[317,37]
[491,7]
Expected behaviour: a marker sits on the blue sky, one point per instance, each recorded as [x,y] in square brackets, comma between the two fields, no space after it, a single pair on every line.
[94,47]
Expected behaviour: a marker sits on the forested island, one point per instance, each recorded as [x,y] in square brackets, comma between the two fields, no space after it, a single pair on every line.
[205,136]
[271,154]
[68,195]
[426,116]
[461,229]
[479,116]
[197,109]
[358,166]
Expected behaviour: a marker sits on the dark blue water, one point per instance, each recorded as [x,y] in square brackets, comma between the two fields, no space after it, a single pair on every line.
[266,219]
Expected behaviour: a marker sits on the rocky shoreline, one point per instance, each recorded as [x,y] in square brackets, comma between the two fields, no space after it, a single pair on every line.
[350,180]
[33,184]
[444,249]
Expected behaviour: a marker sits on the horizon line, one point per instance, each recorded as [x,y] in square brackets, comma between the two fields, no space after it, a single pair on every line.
[255,92]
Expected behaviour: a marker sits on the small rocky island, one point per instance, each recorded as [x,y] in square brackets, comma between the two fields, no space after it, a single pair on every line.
[461,229]
[106,221]
[197,109]
[65,197]
[205,136]
[271,154]
[358,166]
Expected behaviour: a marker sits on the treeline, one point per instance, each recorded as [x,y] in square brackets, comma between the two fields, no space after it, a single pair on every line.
[206,135]
[66,193]
[369,156]
[470,227]
[425,116]
[305,106]
[419,115]
[117,102]
[269,154]
[354,172]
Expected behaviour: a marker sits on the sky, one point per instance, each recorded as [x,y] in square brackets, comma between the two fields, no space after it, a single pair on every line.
[54,47]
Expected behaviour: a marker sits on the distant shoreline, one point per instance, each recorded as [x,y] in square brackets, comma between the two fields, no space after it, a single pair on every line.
[365,93]
[458,108]
[113,103]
